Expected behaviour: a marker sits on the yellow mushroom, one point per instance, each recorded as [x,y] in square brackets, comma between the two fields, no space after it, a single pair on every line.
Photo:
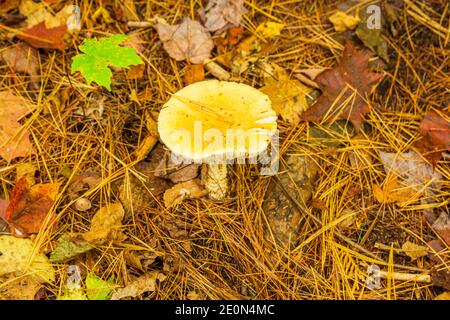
[217,122]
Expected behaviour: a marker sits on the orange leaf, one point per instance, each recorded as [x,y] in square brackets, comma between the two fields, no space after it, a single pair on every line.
[29,206]
[40,37]
[435,132]
[14,139]
[193,73]
[392,192]
[345,86]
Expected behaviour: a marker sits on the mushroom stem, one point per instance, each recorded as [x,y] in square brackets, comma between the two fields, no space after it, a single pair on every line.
[216,181]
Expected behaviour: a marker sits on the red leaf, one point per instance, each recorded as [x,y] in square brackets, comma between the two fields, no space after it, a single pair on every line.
[351,74]
[29,206]
[40,37]
[435,131]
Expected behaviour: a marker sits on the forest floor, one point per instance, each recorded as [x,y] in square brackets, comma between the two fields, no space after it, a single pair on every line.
[349,198]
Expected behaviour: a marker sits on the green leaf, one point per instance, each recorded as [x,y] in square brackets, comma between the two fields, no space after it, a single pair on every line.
[66,249]
[99,55]
[98,289]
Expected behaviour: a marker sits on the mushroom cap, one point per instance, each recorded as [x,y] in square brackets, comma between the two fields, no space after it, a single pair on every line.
[214,121]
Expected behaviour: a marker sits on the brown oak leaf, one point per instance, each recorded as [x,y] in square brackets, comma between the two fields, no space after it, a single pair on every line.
[339,84]
[39,36]
[435,132]
[29,206]
[14,139]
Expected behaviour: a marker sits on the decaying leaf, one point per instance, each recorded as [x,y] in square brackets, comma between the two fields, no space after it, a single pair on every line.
[19,288]
[223,14]
[39,36]
[443,296]
[270,29]
[72,294]
[68,248]
[145,283]
[29,206]
[23,58]
[138,194]
[394,192]
[175,171]
[289,97]
[106,224]
[297,178]
[344,89]
[435,135]
[442,226]
[414,251]
[18,256]
[14,139]
[370,36]
[412,171]
[343,21]
[191,189]
[186,41]
[7,5]
[193,73]
[28,170]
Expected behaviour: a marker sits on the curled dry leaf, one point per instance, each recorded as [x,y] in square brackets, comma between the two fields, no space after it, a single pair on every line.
[414,251]
[14,139]
[394,192]
[23,58]
[106,224]
[435,135]
[185,41]
[19,288]
[344,88]
[190,189]
[223,14]
[145,283]
[343,21]
[29,206]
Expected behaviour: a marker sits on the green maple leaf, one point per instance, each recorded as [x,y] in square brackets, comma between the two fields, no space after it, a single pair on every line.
[99,55]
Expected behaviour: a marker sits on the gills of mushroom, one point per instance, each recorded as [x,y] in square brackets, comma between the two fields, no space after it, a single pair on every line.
[217,122]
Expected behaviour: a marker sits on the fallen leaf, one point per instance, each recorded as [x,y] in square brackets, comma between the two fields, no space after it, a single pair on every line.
[441,278]
[343,22]
[193,73]
[372,37]
[23,58]
[29,206]
[296,178]
[175,171]
[98,289]
[28,170]
[223,14]
[270,29]
[146,145]
[135,194]
[393,192]
[39,36]
[19,288]
[191,189]
[72,294]
[414,251]
[92,106]
[145,283]
[14,139]
[288,97]
[18,256]
[100,54]
[68,248]
[435,135]
[186,41]
[234,35]
[344,88]
[7,5]
[106,224]
[443,296]
[412,171]
[442,227]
